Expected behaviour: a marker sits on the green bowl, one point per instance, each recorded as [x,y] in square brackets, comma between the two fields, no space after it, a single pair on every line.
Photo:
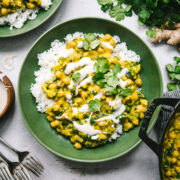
[40,127]
[30,25]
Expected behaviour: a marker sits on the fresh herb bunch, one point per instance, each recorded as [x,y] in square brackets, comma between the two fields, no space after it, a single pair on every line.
[153,13]
[174,75]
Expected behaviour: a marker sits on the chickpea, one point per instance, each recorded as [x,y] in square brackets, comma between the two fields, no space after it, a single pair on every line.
[59,74]
[97,88]
[60,93]
[56,122]
[128,126]
[6,2]
[134,96]
[173,160]
[124,78]
[168,173]
[141,115]
[140,108]
[72,44]
[39,2]
[144,102]
[19,3]
[4,11]
[52,86]
[77,145]
[78,100]
[84,94]
[66,80]
[84,86]
[86,54]
[56,107]
[129,82]
[53,124]
[135,121]
[138,82]
[177,170]
[175,153]
[107,37]
[112,42]
[100,50]
[133,88]
[102,137]
[49,118]
[30,5]
[178,163]
[172,135]
[126,99]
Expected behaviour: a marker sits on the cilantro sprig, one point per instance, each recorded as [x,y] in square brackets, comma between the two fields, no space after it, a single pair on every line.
[94,105]
[90,41]
[174,75]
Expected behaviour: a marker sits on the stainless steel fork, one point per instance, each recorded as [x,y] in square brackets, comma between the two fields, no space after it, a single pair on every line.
[18,171]
[4,171]
[27,159]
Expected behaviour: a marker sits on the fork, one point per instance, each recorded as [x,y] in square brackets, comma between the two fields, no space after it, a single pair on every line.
[27,159]
[18,171]
[4,171]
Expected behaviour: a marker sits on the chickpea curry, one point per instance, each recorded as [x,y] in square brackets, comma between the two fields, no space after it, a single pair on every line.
[97,95]
[171,150]
[11,6]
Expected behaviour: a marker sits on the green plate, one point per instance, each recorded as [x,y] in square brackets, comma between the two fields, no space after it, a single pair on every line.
[40,127]
[30,25]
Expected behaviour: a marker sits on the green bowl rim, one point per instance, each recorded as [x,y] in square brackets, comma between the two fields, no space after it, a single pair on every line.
[36,26]
[39,140]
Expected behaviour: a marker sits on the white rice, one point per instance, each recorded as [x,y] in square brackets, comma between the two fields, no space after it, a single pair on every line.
[18,18]
[48,59]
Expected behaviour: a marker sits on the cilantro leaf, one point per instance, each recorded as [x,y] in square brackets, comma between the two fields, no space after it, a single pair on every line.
[151,33]
[111,79]
[118,12]
[128,8]
[76,76]
[104,2]
[110,90]
[172,86]
[170,68]
[177,77]
[102,65]
[94,105]
[90,36]
[117,68]
[144,14]
[172,76]
[177,59]
[125,92]
[85,44]
[95,44]
[177,69]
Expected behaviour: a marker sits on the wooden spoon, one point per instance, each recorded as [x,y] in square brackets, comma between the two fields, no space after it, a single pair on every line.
[6,93]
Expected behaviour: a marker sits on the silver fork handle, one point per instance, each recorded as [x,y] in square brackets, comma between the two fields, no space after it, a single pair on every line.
[8,145]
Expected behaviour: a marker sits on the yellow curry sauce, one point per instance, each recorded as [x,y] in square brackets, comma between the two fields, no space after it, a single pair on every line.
[68,115]
[11,6]
[171,150]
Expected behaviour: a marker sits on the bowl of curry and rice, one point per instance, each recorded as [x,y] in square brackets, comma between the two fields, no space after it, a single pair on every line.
[84,93]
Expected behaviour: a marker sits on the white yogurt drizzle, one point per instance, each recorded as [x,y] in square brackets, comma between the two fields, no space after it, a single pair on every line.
[80,44]
[85,81]
[72,66]
[119,110]
[86,128]
[123,72]
[123,83]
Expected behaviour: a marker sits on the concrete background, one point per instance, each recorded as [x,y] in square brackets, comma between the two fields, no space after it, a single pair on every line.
[139,164]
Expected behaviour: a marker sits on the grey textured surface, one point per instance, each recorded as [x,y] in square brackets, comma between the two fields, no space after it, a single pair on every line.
[140,164]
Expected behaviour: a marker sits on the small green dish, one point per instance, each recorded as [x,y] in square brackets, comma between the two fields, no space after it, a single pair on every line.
[30,25]
[40,127]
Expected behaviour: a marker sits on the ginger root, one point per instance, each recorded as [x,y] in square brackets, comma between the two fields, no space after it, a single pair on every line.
[171,35]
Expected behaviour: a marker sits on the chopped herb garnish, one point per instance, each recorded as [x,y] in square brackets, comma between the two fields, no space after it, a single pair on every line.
[94,105]
[76,76]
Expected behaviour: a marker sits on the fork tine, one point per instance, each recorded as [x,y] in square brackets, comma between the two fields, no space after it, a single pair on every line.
[6,171]
[3,175]
[36,163]
[32,169]
[24,171]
